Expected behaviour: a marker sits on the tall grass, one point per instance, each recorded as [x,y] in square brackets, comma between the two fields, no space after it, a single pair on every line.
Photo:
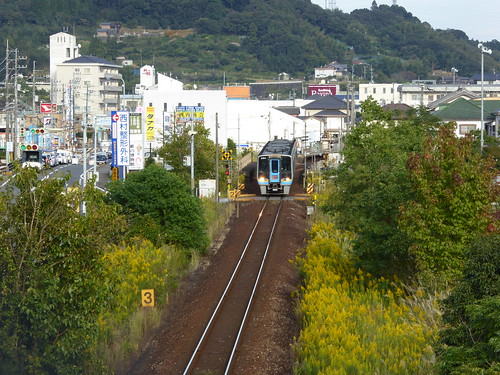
[354,323]
[140,265]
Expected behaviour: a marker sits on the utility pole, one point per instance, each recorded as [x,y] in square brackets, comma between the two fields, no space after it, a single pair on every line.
[269,124]
[217,157]
[7,127]
[305,154]
[33,81]
[84,152]
[192,133]
[14,127]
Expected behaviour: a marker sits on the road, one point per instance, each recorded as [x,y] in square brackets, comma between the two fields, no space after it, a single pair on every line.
[76,173]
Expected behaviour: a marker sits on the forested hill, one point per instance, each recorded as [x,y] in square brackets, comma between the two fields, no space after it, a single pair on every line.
[248,36]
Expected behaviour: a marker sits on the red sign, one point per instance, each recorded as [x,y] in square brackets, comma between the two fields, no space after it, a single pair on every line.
[115,117]
[322,90]
[45,107]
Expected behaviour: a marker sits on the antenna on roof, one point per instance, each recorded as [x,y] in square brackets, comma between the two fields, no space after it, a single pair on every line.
[394,2]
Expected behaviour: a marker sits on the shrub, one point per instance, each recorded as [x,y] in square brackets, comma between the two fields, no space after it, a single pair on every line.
[354,323]
[470,341]
[164,199]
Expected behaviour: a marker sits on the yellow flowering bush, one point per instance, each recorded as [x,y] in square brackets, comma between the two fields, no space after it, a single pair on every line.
[352,322]
[137,266]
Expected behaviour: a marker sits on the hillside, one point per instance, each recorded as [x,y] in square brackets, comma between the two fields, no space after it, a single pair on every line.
[247,39]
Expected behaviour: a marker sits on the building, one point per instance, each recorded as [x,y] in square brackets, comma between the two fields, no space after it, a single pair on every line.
[383,93]
[332,70]
[88,85]
[63,47]
[423,93]
[467,115]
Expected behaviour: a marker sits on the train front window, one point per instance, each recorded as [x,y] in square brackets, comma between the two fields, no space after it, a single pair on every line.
[286,164]
[275,166]
[263,164]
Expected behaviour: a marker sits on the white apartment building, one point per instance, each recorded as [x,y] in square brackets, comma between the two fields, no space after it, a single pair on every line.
[63,47]
[383,93]
[424,93]
[88,85]
[421,94]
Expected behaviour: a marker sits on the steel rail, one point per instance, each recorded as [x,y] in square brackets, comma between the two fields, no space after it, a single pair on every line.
[253,291]
[196,351]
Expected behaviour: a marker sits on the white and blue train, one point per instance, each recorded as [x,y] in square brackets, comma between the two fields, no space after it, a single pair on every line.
[276,165]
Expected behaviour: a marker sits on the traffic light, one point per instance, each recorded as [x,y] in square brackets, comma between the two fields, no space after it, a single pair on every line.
[227,170]
[28,147]
[21,132]
[37,130]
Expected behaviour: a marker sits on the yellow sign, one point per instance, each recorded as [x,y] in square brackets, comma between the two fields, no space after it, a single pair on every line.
[150,124]
[233,194]
[227,155]
[148,297]
[114,175]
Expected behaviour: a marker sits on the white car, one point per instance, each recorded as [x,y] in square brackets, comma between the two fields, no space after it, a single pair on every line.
[74,159]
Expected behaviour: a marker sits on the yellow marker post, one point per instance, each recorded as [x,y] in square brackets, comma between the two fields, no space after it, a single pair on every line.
[114,174]
[148,297]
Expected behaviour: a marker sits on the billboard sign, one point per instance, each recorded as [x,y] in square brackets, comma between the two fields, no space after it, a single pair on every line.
[189,113]
[136,142]
[150,124]
[120,138]
[322,90]
[45,107]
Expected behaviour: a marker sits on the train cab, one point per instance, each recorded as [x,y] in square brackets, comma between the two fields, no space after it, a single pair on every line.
[275,167]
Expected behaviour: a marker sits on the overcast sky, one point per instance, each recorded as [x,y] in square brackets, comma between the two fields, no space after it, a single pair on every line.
[478,19]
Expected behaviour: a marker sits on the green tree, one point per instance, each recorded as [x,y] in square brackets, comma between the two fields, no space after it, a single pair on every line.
[453,196]
[470,342]
[204,154]
[52,288]
[161,208]
[371,184]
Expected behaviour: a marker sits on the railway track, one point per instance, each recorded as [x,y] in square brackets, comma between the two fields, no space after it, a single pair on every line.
[217,347]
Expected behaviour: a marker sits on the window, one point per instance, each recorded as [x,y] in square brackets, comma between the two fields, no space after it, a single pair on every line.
[366,90]
[86,70]
[286,164]
[374,90]
[275,166]
[467,128]
[68,52]
[384,90]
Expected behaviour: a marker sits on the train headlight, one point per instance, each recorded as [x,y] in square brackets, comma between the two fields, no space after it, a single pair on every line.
[262,179]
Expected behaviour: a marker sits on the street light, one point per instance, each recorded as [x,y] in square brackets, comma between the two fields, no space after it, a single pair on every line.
[483,50]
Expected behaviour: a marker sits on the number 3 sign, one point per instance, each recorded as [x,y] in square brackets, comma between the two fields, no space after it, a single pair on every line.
[148,297]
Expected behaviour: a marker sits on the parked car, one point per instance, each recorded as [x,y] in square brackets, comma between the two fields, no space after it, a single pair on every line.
[74,159]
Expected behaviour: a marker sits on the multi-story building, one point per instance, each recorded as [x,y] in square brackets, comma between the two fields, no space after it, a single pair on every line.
[89,86]
[424,93]
[63,47]
[383,93]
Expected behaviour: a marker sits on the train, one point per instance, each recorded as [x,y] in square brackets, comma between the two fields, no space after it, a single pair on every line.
[32,158]
[276,166]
